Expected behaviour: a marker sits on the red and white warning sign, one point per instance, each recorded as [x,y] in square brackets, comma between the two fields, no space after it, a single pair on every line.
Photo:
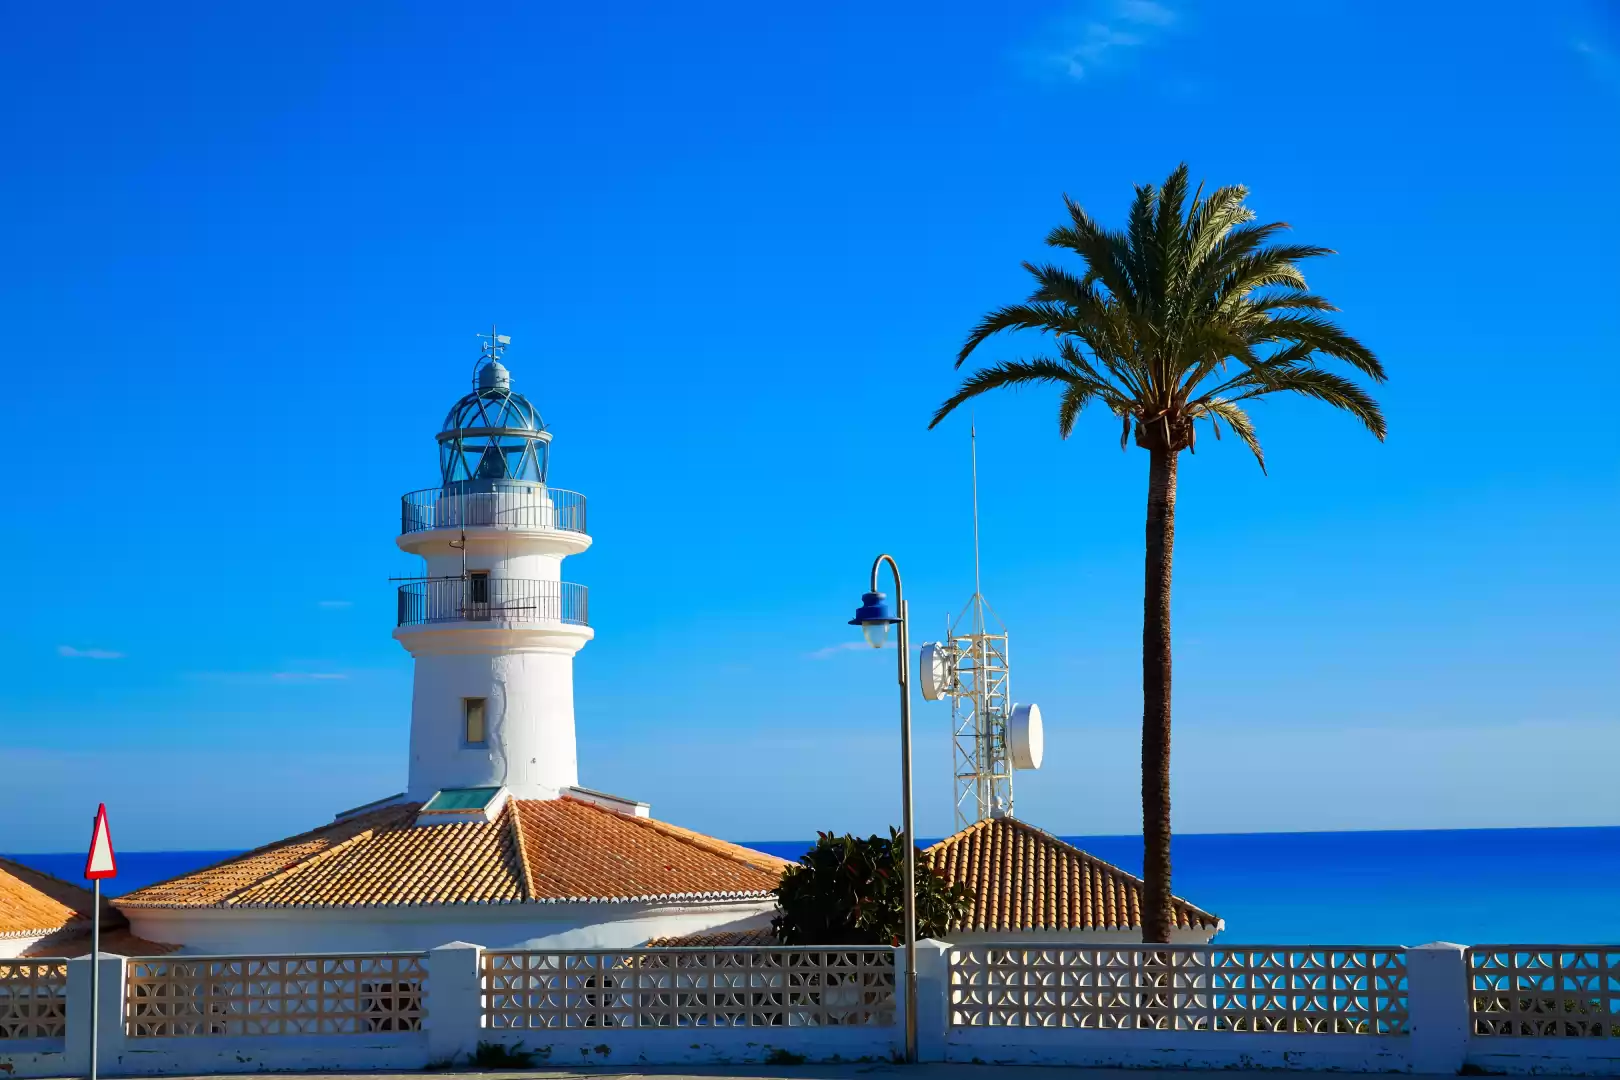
[101,863]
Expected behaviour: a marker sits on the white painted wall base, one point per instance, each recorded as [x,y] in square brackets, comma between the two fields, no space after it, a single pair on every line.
[213,931]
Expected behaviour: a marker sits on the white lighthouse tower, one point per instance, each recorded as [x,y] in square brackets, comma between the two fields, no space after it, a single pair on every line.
[491,624]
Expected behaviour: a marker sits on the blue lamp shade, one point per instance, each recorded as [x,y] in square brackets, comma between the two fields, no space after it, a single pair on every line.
[874,618]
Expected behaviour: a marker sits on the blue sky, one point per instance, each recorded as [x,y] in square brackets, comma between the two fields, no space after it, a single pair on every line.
[247,248]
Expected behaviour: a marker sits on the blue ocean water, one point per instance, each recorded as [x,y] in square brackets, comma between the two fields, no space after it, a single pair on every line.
[1387,888]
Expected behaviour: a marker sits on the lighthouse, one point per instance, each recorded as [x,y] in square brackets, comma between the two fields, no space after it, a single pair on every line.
[491,624]
[493,841]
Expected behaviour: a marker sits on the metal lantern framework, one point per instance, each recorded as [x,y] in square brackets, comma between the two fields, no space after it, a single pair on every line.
[493,437]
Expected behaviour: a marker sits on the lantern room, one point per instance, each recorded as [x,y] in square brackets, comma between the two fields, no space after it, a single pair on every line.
[493,435]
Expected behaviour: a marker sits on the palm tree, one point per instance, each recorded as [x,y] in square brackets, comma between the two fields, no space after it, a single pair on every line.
[1180,319]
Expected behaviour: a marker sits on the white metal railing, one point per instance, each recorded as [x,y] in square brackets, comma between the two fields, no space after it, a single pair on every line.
[274,995]
[493,600]
[507,506]
[1349,990]
[33,999]
[689,988]
[1557,991]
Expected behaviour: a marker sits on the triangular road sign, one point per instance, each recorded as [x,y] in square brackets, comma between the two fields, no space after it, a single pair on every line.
[101,863]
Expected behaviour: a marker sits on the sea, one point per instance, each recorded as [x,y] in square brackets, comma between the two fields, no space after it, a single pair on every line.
[1469,886]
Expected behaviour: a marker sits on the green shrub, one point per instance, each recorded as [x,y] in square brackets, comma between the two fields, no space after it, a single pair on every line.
[846,891]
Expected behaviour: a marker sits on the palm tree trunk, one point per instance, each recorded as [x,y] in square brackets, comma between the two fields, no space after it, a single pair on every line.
[1157,921]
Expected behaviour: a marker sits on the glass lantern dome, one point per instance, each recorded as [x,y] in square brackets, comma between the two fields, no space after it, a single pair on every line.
[493,438]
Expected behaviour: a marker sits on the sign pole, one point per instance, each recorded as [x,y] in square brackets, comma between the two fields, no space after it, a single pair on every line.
[101,863]
[95,978]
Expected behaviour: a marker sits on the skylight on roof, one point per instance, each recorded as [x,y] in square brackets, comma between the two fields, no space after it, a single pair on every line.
[467,798]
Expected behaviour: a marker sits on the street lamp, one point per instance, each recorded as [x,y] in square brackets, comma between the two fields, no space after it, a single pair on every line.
[874,619]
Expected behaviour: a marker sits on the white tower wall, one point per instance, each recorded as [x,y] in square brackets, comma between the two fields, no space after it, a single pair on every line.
[517,655]
[529,691]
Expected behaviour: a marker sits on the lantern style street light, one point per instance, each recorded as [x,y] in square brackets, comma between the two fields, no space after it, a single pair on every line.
[874,618]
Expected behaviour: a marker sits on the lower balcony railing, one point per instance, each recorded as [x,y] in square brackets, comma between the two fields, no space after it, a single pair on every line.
[493,599]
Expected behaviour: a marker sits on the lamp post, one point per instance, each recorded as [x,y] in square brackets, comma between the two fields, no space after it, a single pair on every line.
[874,619]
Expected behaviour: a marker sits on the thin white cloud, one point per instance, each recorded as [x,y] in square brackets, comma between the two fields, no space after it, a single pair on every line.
[849,646]
[833,650]
[1098,36]
[87,654]
[264,678]
[335,605]
[1600,62]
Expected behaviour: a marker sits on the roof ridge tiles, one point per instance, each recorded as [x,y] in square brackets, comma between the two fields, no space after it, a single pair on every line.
[511,813]
[326,854]
[757,860]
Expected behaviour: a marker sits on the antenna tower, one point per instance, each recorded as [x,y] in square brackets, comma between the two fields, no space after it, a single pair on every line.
[991,735]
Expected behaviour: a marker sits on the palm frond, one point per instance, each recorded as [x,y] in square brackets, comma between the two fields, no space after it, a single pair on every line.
[1322,336]
[1028,316]
[1074,399]
[1327,386]
[1290,299]
[1218,409]
[1101,249]
[1006,373]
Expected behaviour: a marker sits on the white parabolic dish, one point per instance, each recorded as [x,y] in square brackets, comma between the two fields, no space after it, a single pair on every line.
[1026,739]
[933,667]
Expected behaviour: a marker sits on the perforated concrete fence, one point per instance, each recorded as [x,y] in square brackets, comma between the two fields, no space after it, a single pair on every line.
[33,999]
[1431,1009]
[689,988]
[186,997]
[1323,990]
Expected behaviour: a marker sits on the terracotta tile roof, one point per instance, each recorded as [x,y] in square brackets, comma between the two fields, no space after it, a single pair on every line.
[550,851]
[33,902]
[717,939]
[1026,879]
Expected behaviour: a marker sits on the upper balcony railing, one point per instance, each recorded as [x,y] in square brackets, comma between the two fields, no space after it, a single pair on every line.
[483,599]
[505,508]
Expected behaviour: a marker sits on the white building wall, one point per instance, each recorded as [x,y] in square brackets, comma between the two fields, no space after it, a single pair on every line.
[15,946]
[395,929]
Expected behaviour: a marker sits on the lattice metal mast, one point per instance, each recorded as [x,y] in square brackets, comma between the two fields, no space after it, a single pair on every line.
[991,735]
[979,688]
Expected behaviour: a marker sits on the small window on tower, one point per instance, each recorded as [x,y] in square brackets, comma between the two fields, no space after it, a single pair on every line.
[475,732]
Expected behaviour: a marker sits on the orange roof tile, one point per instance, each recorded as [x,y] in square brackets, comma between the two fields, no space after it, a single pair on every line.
[549,851]
[1025,879]
[33,902]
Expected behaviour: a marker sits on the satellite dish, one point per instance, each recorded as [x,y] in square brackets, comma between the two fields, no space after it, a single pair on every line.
[934,667]
[1026,738]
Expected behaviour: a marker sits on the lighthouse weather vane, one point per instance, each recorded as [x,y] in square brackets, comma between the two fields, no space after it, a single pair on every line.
[494,343]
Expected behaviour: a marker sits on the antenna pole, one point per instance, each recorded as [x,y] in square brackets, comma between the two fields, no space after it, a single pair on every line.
[973,443]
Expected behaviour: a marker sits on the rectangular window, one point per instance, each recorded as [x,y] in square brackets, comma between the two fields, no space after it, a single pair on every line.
[478,587]
[474,730]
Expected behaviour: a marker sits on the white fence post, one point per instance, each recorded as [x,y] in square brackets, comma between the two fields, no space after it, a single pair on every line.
[455,1002]
[1437,1001]
[76,1041]
[933,998]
